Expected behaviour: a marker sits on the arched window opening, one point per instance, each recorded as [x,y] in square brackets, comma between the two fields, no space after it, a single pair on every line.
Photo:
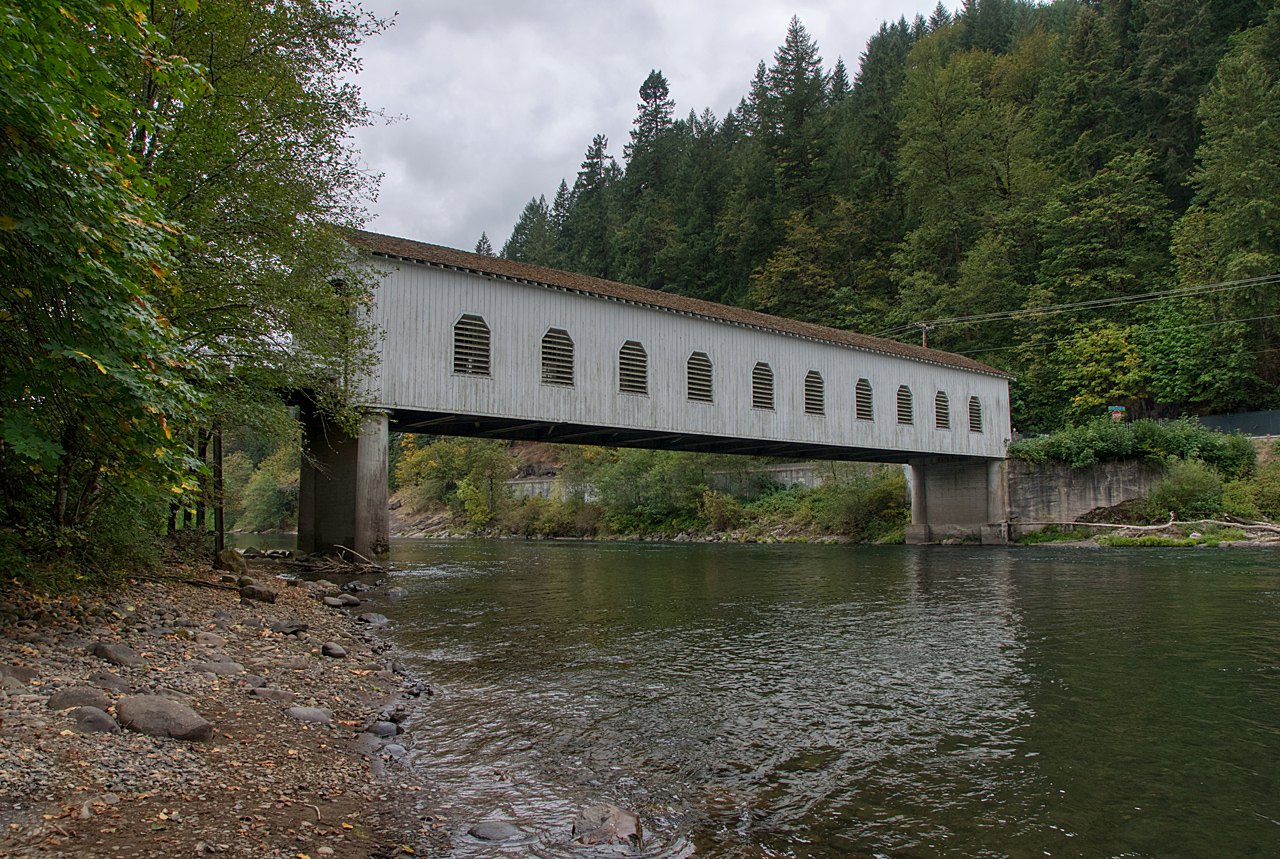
[699,377]
[633,369]
[557,357]
[471,346]
[762,386]
[975,415]
[814,394]
[905,414]
[942,411]
[862,400]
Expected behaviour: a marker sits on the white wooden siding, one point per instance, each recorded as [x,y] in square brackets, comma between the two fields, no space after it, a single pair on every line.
[417,305]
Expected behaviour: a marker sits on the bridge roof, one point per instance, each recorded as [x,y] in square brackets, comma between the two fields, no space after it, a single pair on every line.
[436,255]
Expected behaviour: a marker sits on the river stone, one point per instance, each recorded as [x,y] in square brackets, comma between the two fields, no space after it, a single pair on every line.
[333,650]
[159,716]
[383,729]
[310,714]
[259,593]
[332,602]
[254,552]
[119,654]
[219,614]
[77,696]
[395,751]
[18,672]
[495,830]
[396,593]
[349,600]
[228,578]
[209,639]
[606,824]
[107,680]
[231,561]
[93,720]
[374,619]
[216,667]
[289,627]
[272,696]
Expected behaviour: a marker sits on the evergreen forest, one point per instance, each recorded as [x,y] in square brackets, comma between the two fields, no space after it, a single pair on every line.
[1080,193]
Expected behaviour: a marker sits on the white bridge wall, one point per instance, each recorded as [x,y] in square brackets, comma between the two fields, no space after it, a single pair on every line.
[417,305]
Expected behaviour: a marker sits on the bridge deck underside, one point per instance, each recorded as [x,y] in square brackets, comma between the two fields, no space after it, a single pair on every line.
[527,430]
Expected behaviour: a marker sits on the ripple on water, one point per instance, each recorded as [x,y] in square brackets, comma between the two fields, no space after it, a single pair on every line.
[828,701]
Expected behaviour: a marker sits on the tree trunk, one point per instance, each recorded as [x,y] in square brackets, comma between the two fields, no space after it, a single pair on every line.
[202,497]
[219,530]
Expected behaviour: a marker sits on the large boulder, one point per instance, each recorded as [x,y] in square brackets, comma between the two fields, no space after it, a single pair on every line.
[158,716]
[18,672]
[77,696]
[119,654]
[495,830]
[216,667]
[258,593]
[310,714]
[231,561]
[606,824]
[93,720]
[107,680]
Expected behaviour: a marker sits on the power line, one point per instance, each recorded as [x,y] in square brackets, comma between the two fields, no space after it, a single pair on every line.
[1138,331]
[1094,304]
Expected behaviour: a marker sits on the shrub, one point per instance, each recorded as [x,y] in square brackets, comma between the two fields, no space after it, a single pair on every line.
[1191,490]
[722,512]
[1103,440]
[1265,491]
[861,503]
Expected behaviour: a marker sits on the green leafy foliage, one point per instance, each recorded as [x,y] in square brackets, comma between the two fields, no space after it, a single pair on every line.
[1190,490]
[170,250]
[1103,440]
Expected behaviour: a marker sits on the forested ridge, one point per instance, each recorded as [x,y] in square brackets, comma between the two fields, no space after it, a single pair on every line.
[1081,193]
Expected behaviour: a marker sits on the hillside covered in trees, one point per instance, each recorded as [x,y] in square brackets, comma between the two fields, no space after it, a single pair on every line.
[1082,193]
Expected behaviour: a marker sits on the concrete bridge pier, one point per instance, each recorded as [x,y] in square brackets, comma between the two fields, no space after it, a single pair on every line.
[343,486]
[960,499]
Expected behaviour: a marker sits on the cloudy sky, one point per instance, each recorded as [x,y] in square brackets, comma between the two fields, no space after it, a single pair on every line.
[500,98]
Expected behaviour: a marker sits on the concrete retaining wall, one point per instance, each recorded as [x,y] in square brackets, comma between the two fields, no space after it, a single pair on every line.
[1057,493]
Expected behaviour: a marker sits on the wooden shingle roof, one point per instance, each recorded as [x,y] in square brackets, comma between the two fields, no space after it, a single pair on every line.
[436,255]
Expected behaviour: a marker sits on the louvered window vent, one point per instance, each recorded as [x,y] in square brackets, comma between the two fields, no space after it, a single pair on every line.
[471,346]
[762,386]
[905,414]
[633,369]
[557,358]
[942,411]
[699,373]
[975,415]
[863,402]
[814,394]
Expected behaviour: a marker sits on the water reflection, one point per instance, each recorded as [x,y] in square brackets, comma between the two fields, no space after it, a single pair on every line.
[748,701]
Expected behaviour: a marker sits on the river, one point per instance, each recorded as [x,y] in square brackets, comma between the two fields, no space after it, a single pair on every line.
[794,700]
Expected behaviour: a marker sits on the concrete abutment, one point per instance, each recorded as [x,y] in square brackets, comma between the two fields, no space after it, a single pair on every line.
[343,486]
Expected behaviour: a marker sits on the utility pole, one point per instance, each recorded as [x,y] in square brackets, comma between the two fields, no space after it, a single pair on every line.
[925,328]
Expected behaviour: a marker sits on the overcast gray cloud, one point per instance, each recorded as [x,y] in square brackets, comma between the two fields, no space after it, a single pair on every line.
[502,97]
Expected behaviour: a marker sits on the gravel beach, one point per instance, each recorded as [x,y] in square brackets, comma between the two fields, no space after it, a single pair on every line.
[183,719]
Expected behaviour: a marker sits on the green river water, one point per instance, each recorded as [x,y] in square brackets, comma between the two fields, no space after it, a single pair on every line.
[851,701]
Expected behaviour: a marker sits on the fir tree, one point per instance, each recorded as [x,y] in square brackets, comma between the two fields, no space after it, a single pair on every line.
[838,85]
[484,247]
[655,111]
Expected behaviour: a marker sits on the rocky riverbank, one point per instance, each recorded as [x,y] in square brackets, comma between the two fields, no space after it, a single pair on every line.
[176,716]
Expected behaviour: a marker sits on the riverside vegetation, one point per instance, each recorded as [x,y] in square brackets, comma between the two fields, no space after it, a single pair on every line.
[176,178]
[459,485]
